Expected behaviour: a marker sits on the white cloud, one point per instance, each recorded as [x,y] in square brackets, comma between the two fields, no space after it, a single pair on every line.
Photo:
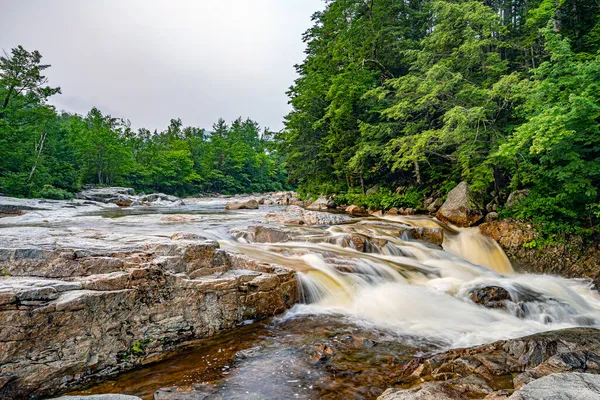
[153,60]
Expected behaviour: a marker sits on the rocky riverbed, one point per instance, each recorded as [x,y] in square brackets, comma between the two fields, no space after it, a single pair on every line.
[187,292]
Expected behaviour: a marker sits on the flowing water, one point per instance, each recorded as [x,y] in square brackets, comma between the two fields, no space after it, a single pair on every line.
[374,296]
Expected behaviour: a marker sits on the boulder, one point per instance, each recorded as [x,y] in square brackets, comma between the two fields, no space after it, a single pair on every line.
[116,195]
[459,208]
[490,296]
[561,386]
[298,216]
[392,211]
[322,203]
[507,368]
[242,205]
[356,211]
[493,216]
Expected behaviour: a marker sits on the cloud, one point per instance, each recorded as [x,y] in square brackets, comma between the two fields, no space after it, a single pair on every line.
[153,60]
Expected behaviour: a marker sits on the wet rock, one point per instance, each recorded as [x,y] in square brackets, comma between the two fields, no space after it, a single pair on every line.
[409,211]
[156,298]
[561,386]
[116,195]
[356,211]
[196,392]
[392,211]
[99,397]
[157,199]
[516,197]
[431,235]
[298,216]
[322,203]
[321,353]
[490,296]
[242,205]
[495,370]
[459,208]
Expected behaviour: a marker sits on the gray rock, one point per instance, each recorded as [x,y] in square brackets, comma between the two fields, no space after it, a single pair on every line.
[372,190]
[573,385]
[99,397]
[322,203]
[459,207]
[493,216]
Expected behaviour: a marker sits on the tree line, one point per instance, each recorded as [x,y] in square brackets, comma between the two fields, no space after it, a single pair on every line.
[51,154]
[422,94]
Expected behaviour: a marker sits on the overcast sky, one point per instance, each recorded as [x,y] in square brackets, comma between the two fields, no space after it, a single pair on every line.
[153,60]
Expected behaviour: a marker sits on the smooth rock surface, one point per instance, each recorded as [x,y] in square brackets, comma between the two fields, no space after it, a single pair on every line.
[251,204]
[459,209]
[99,397]
[573,386]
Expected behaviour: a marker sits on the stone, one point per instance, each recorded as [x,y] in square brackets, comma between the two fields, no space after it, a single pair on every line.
[392,211]
[496,370]
[574,385]
[492,216]
[459,208]
[242,205]
[434,206]
[322,203]
[356,211]
[155,297]
[490,296]
[99,397]
[295,215]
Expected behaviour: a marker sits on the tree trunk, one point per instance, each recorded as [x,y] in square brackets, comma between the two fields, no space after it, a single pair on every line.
[39,147]
[417,172]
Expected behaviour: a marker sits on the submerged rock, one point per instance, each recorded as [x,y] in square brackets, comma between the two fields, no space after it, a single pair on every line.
[459,208]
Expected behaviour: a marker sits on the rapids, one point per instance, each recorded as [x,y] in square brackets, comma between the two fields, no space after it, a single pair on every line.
[411,287]
[377,292]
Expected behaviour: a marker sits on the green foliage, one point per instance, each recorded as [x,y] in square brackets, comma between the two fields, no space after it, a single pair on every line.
[383,199]
[502,94]
[49,155]
[50,192]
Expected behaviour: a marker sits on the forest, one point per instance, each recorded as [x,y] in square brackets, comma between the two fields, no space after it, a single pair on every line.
[51,154]
[415,96]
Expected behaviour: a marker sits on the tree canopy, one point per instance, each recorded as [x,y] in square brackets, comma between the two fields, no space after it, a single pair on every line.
[419,95]
[50,154]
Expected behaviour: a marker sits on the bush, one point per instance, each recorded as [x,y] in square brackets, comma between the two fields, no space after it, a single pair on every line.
[383,199]
[50,192]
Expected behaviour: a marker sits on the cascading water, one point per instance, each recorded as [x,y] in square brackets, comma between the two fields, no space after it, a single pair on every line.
[414,288]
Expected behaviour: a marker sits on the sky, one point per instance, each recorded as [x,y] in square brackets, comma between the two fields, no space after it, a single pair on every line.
[152,60]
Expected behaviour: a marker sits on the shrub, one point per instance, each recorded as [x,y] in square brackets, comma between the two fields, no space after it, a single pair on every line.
[50,192]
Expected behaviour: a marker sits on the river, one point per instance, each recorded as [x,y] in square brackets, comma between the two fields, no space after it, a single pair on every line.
[363,313]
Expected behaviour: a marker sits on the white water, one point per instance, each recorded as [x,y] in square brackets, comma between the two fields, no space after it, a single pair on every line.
[412,288]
